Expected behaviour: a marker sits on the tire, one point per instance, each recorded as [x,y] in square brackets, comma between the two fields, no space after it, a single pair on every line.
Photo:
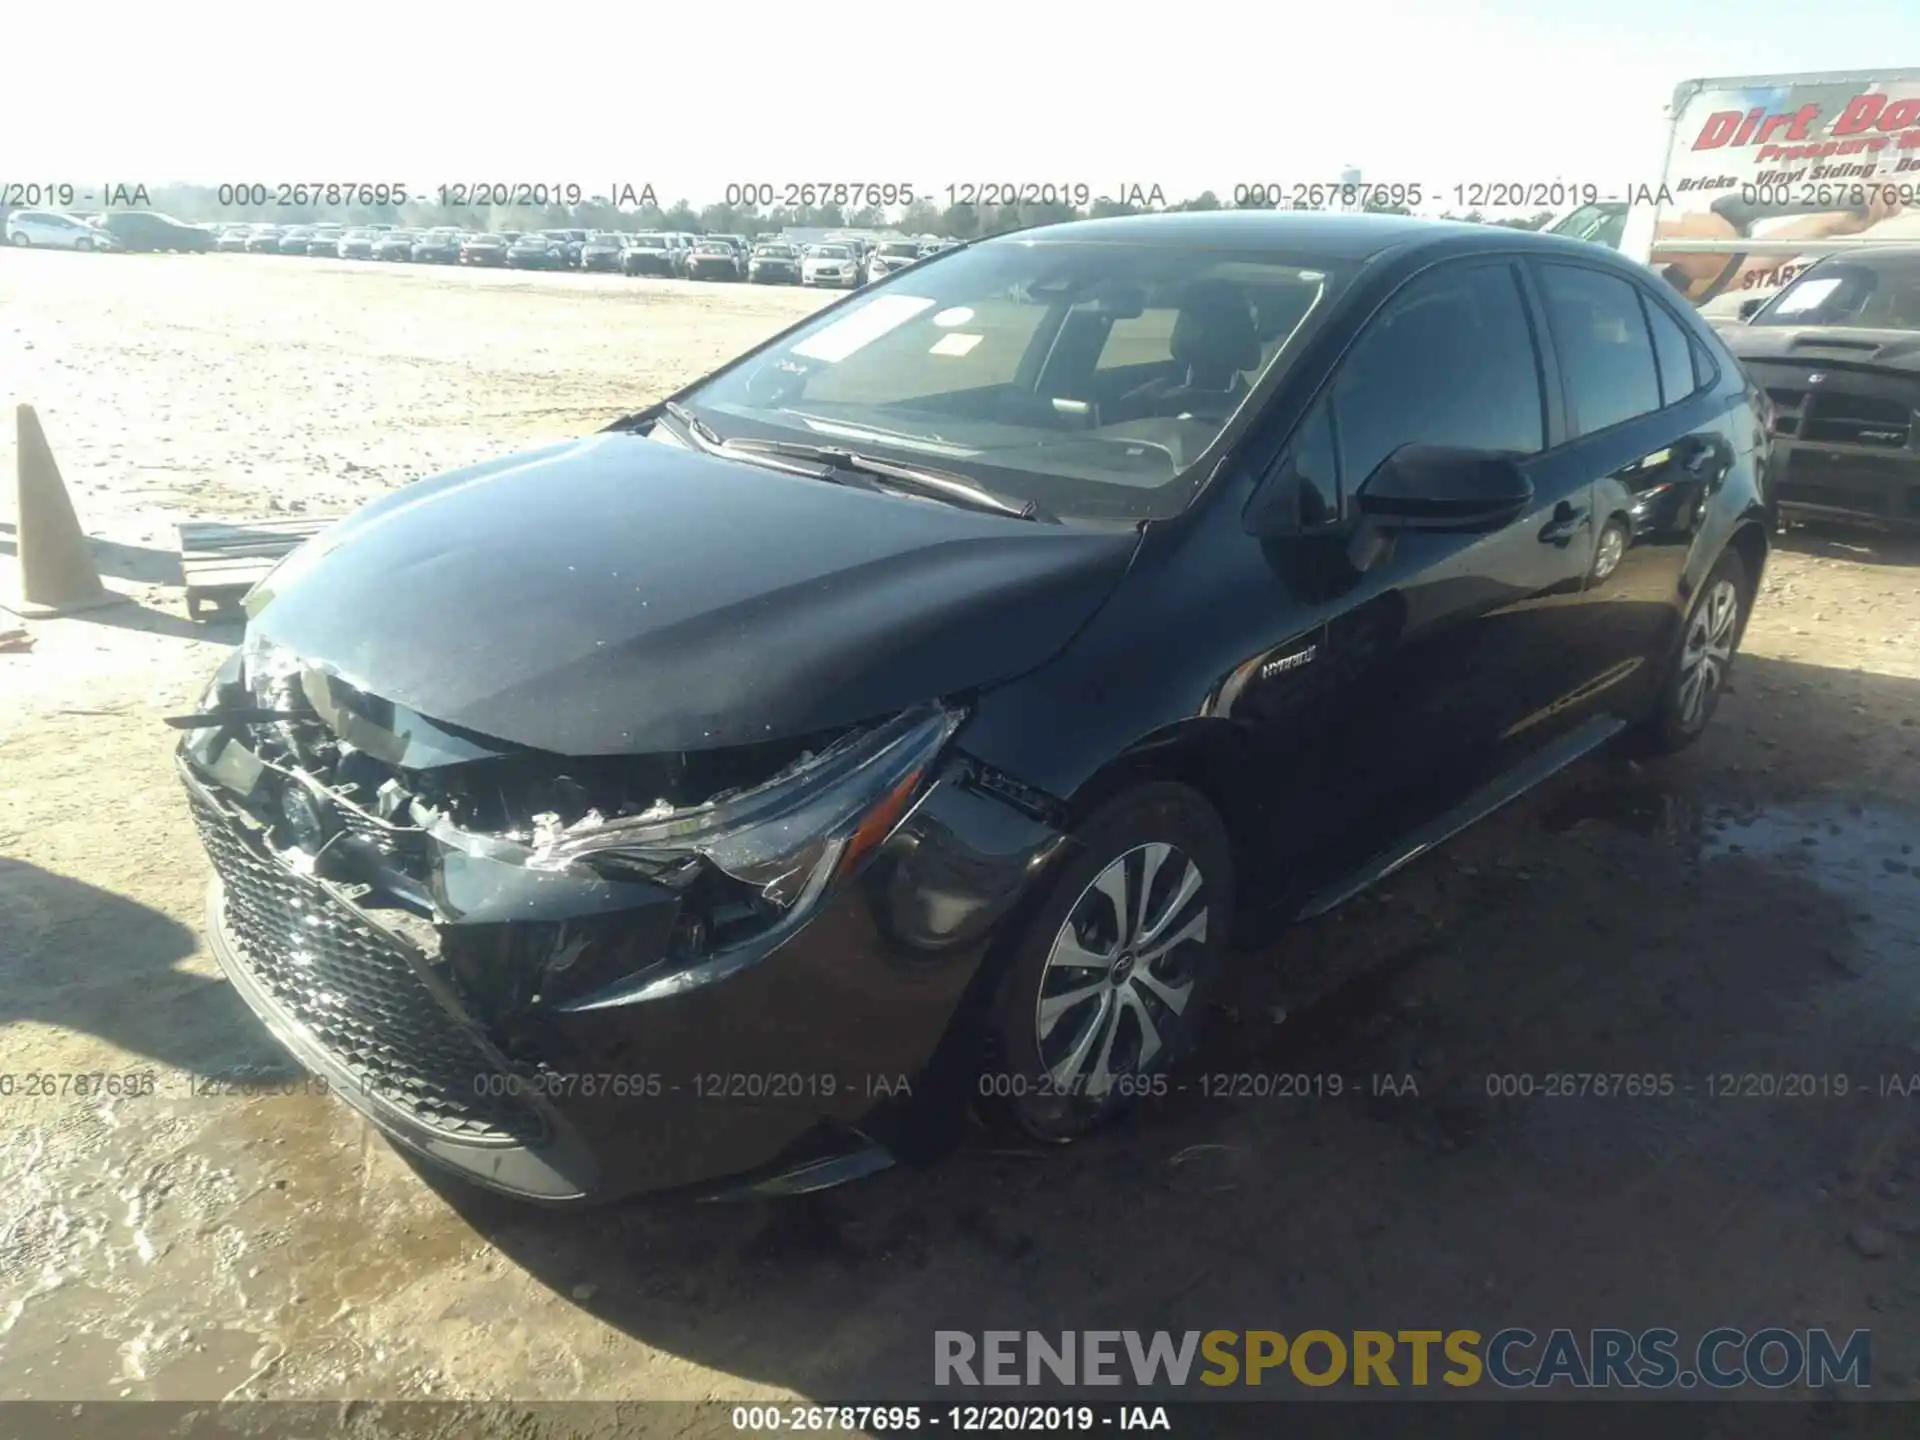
[1610,549]
[1697,674]
[85,242]
[22,239]
[1083,1017]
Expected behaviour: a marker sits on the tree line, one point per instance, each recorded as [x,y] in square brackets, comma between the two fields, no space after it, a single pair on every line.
[955,222]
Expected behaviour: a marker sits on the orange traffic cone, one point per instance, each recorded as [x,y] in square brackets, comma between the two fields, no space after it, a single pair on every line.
[57,573]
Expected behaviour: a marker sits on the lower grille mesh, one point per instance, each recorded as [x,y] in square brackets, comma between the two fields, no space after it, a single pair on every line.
[346,986]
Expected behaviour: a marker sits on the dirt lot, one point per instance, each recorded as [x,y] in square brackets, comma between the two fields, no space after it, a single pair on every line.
[1752,907]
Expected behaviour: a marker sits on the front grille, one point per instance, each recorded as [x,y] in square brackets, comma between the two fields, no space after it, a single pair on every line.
[1837,416]
[351,990]
[405,848]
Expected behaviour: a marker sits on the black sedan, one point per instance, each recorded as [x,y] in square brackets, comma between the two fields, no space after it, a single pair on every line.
[149,230]
[395,245]
[775,265]
[651,255]
[906,716]
[538,252]
[715,260]
[1838,352]
[438,247]
[485,249]
[294,240]
[264,240]
[603,251]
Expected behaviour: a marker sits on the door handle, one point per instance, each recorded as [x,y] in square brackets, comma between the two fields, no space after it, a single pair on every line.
[1567,521]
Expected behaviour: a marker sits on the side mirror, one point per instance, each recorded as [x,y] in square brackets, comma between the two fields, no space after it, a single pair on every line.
[1751,308]
[1439,487]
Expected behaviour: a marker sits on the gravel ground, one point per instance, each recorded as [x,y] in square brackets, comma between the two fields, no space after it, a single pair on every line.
[1750,907]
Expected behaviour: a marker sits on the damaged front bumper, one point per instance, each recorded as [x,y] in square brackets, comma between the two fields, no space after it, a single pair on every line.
[533,1019]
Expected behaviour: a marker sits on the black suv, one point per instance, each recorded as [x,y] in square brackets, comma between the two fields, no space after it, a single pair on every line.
[919,710]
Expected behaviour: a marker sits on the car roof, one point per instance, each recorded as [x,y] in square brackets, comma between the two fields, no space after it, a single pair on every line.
[1335,236]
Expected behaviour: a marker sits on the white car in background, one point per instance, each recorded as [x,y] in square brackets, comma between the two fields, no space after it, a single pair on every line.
[834,265]
[891,255]
[55,230]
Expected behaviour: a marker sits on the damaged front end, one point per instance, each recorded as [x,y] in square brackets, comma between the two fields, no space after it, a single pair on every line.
[445,925]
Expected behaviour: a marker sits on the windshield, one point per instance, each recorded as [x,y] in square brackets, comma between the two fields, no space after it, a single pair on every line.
[1602,223]
[777,252]
[649,242]
[1088,377]
[1873,292]
[831,252]
[909,250]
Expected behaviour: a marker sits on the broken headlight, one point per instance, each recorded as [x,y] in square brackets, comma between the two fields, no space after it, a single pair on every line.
[789,837]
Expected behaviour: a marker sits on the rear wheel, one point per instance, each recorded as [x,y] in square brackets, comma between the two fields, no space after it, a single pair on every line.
[1105,985]
[1697,675]
[85,242]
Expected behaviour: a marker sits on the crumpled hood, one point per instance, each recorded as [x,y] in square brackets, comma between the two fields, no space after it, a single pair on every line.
[616,595]
[1895,350]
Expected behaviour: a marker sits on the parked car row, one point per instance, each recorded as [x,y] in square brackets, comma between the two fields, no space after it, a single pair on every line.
[837,262]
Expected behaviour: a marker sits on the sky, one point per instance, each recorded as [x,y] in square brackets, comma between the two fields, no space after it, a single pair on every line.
[1434,93]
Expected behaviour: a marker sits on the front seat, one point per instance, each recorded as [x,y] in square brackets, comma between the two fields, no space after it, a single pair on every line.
[1215,341]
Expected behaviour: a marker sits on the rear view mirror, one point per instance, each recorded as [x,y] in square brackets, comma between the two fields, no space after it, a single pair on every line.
[1439,487]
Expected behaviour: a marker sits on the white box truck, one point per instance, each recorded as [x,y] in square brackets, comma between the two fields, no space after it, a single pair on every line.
[1763,174]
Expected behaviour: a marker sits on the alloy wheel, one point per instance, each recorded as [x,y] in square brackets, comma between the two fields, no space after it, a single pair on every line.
[1121,971]
[1611,549]
[1708,652]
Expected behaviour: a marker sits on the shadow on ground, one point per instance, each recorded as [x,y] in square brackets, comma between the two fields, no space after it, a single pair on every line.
[1396,1152]
[77,957]
[1860,544]
[145,564]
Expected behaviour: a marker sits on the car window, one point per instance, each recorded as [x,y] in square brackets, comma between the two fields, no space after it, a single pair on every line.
[1449,361]
[1306,482]
[1673,350]
[1605,351]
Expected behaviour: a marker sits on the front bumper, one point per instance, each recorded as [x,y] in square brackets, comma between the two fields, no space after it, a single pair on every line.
[1846,442]
[1841,482]
[808,1053]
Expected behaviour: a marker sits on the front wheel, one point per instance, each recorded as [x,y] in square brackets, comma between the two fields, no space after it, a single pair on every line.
[1610,549]
[83,243]
[1698,674]
[1105,984]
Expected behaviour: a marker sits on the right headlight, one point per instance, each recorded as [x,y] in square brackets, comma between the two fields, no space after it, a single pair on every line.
[792,836]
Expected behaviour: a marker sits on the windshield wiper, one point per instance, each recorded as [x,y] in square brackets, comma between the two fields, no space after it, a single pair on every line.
[694,425]
[939,484]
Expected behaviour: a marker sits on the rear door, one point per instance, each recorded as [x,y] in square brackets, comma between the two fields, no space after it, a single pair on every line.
[1645,428]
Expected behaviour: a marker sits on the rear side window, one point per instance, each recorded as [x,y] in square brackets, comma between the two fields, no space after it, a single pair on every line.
[1606,354]
[1450,360]
[1673,351]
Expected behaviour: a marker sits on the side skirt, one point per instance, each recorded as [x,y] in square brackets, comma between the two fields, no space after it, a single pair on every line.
[1501,790]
